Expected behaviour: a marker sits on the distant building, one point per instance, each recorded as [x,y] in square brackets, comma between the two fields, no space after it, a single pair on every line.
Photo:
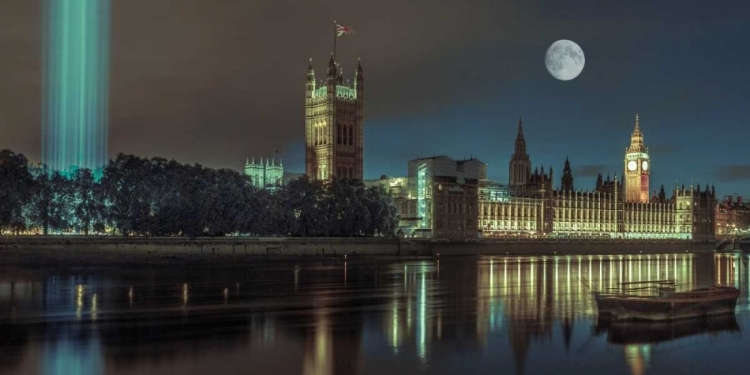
[447,199]
[732,217]
[268,175]
[334,124]
[439,198]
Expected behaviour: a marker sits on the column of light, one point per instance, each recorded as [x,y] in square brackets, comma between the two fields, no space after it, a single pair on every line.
[76,85]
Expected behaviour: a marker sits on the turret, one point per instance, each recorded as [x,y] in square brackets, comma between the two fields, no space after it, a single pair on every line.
[310,82]
[566,181]
[662,194]
[520,141]
[333,73]
[359,79]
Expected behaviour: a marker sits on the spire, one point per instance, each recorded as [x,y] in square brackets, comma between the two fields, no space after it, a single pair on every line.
[359,65]
[520,129]
[636,139]
[332,71]
[637,129]
[247,161]
[309,66]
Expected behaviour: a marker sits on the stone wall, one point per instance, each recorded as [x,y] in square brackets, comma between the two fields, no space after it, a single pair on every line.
[237,247]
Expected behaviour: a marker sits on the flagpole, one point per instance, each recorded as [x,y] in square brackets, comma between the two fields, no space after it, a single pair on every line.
[334,40]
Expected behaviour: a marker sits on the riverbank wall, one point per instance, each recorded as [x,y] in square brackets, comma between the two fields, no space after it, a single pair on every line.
[52,249]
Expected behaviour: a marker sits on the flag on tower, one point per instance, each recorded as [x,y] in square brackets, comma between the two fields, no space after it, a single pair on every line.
[343,30]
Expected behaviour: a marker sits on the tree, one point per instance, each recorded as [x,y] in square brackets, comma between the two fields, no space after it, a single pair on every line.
[126,188]
[88,198]
[16,182]
[52,199]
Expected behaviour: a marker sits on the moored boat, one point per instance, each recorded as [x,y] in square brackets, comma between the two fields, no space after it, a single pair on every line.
[659,301]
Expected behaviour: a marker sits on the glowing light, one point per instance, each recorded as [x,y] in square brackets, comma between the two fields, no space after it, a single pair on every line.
[76,85]
[79,301]
[94,307]
[421,194]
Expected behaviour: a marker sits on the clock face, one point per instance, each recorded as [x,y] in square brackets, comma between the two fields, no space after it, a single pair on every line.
[645,165]
[632,165]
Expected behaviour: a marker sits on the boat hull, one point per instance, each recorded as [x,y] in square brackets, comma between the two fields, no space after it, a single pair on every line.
[685,305]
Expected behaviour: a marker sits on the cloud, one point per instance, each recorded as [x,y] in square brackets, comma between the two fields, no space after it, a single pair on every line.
[733,173]
[589,170]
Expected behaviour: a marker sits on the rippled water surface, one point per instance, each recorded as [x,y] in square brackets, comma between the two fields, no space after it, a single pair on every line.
[478,315]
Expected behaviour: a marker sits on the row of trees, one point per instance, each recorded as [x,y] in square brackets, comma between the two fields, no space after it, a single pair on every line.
[159,197]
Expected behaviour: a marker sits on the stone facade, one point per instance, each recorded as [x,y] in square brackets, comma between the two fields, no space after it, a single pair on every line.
[732,217]
[533,208]
[637,167]
[440,199]
[265,176]
[334,125]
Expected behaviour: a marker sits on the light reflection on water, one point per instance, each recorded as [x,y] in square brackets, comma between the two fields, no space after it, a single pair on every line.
[462,314]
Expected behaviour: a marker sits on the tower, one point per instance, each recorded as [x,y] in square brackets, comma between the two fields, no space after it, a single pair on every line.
[520,165]
[637,168]
[334,125]
[566,182]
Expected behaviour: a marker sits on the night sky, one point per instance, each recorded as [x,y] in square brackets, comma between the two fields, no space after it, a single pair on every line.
[213,82]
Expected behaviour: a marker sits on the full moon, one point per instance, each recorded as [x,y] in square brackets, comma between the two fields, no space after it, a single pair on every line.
[564,60]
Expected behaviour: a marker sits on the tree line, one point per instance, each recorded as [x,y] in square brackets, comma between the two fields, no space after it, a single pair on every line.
[138,196]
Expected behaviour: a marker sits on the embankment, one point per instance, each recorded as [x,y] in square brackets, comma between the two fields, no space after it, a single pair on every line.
[81,250]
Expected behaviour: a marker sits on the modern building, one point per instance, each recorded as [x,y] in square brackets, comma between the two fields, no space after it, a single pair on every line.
[530,206]
[441,198]
[334,124]
[268,175]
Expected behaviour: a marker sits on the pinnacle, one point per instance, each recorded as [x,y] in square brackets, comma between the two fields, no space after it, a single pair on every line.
[637,129]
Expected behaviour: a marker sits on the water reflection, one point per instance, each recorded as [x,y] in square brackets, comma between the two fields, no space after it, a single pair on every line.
[491,314]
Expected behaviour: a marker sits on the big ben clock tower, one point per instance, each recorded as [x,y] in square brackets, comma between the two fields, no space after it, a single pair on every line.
[637,168]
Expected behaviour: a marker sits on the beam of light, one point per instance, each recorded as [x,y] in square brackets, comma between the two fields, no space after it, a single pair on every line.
[76,85]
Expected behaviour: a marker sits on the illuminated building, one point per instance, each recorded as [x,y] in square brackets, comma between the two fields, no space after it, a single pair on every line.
[529,206]
[76,85]
[334,125]
[265,176]
[441,198]
[520,164]
[732,217]
[637,168]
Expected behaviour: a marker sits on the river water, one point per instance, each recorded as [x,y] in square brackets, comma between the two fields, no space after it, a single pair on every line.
[477,315]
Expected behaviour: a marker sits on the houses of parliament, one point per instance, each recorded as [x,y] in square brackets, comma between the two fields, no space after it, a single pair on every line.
[452,199]
[442,198]
[614,208]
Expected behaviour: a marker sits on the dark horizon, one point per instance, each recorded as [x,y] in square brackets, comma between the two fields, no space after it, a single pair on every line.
[214,84]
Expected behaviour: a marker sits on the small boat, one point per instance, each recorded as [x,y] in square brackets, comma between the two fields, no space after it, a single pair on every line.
[659,301]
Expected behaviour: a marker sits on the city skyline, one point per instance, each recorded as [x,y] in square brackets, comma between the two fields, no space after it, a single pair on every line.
[203,78]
